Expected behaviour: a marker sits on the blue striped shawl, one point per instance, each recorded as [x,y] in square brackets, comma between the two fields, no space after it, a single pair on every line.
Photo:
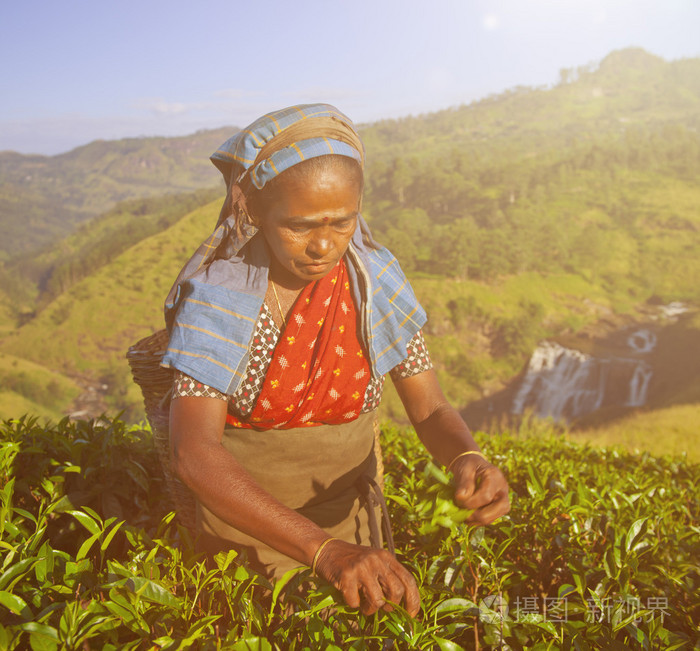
[213,307]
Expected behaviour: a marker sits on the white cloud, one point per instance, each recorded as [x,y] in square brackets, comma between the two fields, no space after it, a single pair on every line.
[149,116]
[332,93]
[237,106]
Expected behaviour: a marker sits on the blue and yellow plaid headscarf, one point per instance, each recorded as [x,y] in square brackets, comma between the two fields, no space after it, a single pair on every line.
[300,132]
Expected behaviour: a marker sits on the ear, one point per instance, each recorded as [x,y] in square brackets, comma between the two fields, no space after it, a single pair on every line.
[239,208]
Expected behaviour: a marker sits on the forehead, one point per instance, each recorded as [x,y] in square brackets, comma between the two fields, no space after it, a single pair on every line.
[316,191]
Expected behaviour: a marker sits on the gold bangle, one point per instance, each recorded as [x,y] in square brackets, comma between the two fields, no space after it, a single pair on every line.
[464,454]
[318,553]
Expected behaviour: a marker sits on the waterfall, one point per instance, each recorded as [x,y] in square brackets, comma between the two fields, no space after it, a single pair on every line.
[639,384]
[566,384]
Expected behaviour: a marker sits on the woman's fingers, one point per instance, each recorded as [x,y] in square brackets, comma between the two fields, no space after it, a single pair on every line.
[383,579]
[392,588]
[498,505]
[485,490]
[368,578]
[411,596]
[490,483]
[491,512]
[479,488]
[373,596]
[392,583]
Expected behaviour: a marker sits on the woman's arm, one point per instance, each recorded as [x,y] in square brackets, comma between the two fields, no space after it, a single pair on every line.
[366,577]
[479,484]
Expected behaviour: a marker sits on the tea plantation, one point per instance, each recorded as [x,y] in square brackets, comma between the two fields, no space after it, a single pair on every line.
[599,551]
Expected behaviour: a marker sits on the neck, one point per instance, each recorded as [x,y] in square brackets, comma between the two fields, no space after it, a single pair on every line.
[284,278]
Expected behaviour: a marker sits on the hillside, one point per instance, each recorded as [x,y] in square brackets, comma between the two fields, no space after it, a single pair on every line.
[87,329]
[28,387]
[44,198]
[524,216]
[628,88]
[95,321]
[59,266]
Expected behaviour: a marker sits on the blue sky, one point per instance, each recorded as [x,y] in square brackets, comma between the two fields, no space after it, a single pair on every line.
[77,70]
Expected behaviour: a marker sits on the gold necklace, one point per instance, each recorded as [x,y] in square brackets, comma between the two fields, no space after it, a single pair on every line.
[279,305]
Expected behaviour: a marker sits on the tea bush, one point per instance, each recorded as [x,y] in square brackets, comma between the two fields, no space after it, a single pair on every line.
[599,552]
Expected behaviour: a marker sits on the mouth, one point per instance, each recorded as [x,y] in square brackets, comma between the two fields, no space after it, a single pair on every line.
[316,267]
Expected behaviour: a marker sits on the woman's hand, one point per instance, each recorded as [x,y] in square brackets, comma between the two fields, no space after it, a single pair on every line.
[482,487]
[368,577]
[479,485]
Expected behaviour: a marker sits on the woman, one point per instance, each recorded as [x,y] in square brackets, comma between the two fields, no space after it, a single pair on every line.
[282,328]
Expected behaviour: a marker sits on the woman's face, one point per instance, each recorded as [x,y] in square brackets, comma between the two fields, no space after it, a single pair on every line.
[309,223]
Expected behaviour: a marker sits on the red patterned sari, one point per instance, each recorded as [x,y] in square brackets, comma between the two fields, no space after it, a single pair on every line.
[318,373]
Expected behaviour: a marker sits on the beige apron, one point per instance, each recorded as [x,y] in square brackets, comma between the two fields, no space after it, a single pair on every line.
[318,471]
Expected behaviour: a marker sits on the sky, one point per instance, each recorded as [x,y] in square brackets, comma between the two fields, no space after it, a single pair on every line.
[78,70]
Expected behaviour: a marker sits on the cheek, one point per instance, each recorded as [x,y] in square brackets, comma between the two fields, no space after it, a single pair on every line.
[344,238]
[285,244]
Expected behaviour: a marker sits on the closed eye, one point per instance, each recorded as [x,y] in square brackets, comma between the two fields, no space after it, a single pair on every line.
[341,225]
[344,224]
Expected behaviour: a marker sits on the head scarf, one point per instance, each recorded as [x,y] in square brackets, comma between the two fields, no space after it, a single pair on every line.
[277,141]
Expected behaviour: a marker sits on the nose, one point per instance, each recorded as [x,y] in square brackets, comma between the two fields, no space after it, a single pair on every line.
[320,245]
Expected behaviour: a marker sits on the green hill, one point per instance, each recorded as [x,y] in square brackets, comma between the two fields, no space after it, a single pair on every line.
[28,387]
[527,215]
[87,329]
[96,320]
[57,267]
[44,198]
[629,88]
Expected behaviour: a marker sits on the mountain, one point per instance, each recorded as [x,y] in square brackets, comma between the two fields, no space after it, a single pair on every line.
[85,331]
[533,214]
[57,267]
[628,88]
[44,198]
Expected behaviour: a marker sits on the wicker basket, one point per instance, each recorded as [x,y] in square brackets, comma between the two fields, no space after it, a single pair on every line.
[156,384]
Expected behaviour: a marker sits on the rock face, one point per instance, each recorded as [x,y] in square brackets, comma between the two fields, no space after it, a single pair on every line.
[566,384]
[619,363]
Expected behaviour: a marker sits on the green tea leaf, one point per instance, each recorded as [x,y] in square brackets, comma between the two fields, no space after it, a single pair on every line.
[86,521]
[151,591]
[85,547]
[15,604]
[110,535]
[456,604]
[445,645]
[251,643]
[635,532]
[12,574]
